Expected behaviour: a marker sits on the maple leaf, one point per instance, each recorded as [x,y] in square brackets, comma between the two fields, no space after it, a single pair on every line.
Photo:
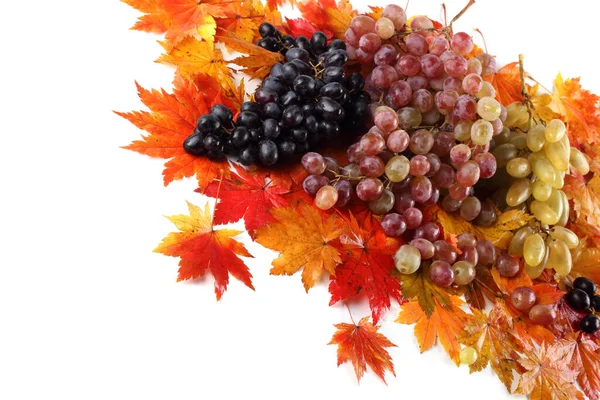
[490,336]
[302,27]
[500,234]
[483,287]
[445,324]
[328,15]
[242,19]
[171,119]
[248,196]
[542,104]
[583,357]
[419,286]
[259,61]
[303,236]
[289,176]
[586,205]
[201,248]
[508,285]
[177,19]
[193,57]
[363,345]
[274,4]
[375,13]
[580,108]
[547,375]
[586,261]
[366,267]
[567,320]
[507,82]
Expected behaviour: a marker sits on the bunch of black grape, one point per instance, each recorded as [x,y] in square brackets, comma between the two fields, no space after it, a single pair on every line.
[299,106]
[582,297]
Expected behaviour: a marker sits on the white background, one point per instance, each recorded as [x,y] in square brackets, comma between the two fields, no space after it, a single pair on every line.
[87,311]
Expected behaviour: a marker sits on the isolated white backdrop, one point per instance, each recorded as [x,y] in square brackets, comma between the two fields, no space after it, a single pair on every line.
[87,311]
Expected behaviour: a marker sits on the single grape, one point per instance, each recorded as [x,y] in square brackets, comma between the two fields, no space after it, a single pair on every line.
[523,298]
[470,208]
[468,355]
[464,108]
[486,251]
[355,153]
[397,168]
[459,192]
[542,314]
[442,143]
[386,119]
[445,177]
[425,247]
[419,165]
[314,163]
[578,300]
[369,189]
[351,171]
[386,55]
[432,66]
[413,217]
[462,43]
[396,14]
[469,254]
[421,141]
[487,215]
[468,173]
[450,205]
[416,44]
[438,45]
[326,197]
[369,43]
[441,273]
[464,273]
[372,143]
[456,66]
[590,324]
[421,189]
[393,224]
[460,153]
[407,259]
[584,284]
[362,24]
[384,27]
[398,141]
[472,84]
[507,265]
[383,204]
[422,25]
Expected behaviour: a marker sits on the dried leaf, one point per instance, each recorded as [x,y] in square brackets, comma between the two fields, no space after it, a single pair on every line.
[507,82]
[201,248]
[328,15]
[363,345]
[420,287]
[586,261]
[583,358]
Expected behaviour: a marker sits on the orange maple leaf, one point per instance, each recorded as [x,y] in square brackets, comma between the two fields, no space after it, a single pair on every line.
[583,357]
[586,205]
[490,336]
[327,15]
[548,375]
[363,345]
[580,108]
[242,19]
[303,236]
[202,248]
[259,61]
[171,119]
[419,286]
[178,19]
[507,82]
[445,324]
[586,260]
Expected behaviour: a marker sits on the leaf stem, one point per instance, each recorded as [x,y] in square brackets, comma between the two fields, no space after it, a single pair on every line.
[350,312]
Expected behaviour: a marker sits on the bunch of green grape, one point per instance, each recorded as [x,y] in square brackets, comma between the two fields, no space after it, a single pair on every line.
[535,159]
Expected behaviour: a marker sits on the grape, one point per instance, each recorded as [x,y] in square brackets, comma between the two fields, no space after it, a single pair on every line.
[421,141]
[468,355]
[488,63]
[487,216]
[567,236]
[351,171]
[445,177]
[399,94]
[442,143]
[422,100]
[421,189]
[559,153]
[314,163]
[486,251]
[542,212]
[395,14]
[469,254]
[460,153]
[470,208]
[464,108]
[468,174]
[590,323]
[384,75]
[369,43]
[578,161]
[434,164]
[472,84]
[397,168]
[474,66]
[386,119]
[386,55]
[462,130]
[419,165]
[362,24]
[355,153]
[487,90]
[488,108]
[408,117]
[408,65]
[523,298]
[425,247]
[466,239]
[345,190]
[519,168]
[383,204]
[369,189]
[422,25]
[407,259]
[413,217]
[431,66]
[384,27]
[398,141]
[313,183]
[534,249]
[507,265]
[326,197]
[416,44]
[450,205]
[458,192]
[555,130]
[446,100]
[595,303]
[441,273]
[542,314]
[464,273]
[417,82]
[462,43]
[447,55]
[456,66]
[372,143]
[393,224]
[351,38]
[365,58]
[578,300]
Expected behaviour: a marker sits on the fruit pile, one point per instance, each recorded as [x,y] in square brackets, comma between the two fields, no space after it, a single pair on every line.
[299,106]
[403,164]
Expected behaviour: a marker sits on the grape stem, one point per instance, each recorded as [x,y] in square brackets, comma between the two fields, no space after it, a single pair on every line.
[525,94]
[460,14]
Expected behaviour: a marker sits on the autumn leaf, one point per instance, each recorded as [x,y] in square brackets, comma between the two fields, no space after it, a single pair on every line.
[499,234]
[366,267]
[507,82]
[580,108]
[363,345]
[171,119]
[586,261]
[201,248]
[586,205]
[419,286]
[508,285]
[328,15]
[375,13]
[445,324]
[542,104]
[242,19]
[483,287]
[490,336]
[274,4]
[583,357]
[567,320]
[259,61]
[289,176]
[178,19]
[547,375]
[193,57]
[246,195]
[303,236]
[302,27]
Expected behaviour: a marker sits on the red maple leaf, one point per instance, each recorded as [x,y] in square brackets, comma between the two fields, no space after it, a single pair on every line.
[363,345]
[302,27]
[246,195]
[366,267]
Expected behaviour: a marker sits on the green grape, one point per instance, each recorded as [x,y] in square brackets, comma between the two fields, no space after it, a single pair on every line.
[564,217]
[559,180]
[487,90]
[503,137]
[534,250]
[578,161]
[543,213]
[555,202]
[559,258]
[536,138]
[566,235]
[518,241]
[462,130]
[534,272]
[397,168]
[541,190]
[518,192]
[464,272]
[559,153]
[519,140]
[518,167]
[468,355]
[555,130]
[407,259]
[482,132]
[504,153]
[544,170]
[488,108]
[513,113]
